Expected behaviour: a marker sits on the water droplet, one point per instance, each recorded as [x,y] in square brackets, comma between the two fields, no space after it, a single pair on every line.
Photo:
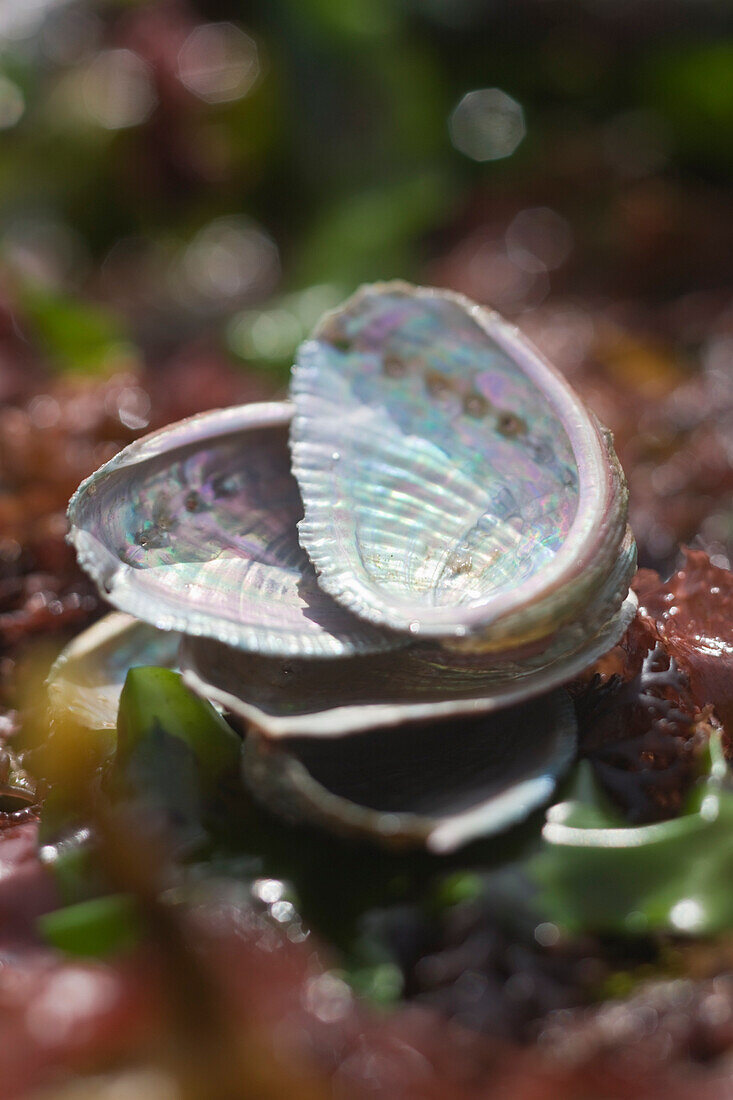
[152,537]
[414,628]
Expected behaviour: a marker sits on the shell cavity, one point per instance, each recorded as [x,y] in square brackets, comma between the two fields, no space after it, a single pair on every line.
[193,529]
[454,485]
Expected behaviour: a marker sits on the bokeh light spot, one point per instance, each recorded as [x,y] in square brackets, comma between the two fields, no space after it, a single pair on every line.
[327,997]
[270,334]
[539,240]
[687,915]
[231,258]
[487,125]
[218,62]
[42,249]
[118,89]
[22,18]
[273,334]
[71,35]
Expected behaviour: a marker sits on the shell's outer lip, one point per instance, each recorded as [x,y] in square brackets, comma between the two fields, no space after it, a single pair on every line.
[595,531]
[86,682]
[201,428]
[100,633]
[124,588]
[507,809]
[341,720]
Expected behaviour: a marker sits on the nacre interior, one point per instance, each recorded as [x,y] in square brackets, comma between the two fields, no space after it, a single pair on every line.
[202,537]
[449,472]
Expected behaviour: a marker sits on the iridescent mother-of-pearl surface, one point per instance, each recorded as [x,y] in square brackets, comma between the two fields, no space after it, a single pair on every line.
[86,680]
[194,529]
[449,475]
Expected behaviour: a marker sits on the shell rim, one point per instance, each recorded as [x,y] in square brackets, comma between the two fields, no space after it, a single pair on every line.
[64,695]
[354,718]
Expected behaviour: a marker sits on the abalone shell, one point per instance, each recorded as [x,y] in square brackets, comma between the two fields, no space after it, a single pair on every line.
[193,528]
[86,680]
[454,484]
[332,698]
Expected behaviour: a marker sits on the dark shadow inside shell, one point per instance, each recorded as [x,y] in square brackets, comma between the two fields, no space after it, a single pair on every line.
[14,800]
[438,783]
[407,768]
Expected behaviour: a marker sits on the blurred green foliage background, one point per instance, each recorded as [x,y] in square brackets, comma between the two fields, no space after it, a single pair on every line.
[177,170]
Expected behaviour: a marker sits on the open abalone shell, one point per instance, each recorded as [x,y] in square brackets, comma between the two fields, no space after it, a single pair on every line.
[193,528]
[454,484]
